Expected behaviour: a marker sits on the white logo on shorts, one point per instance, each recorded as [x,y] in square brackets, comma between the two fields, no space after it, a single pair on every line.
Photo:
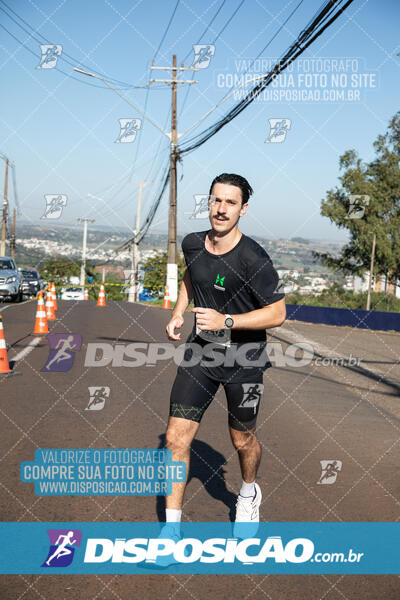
[251,395]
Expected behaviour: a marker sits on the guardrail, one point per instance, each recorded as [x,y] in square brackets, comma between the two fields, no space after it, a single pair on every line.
[341,317]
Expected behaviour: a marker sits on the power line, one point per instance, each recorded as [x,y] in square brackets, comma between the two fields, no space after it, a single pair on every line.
[200,38]
[228,21]
[245,71]
[147,96]
[306,37]
[56,67]
[166,30]
[128,177]
[64,54]
[316,26]
[165,178]
[207,28]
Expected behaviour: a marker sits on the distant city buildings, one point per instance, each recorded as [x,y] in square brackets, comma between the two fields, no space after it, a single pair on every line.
[301,280]
[294,281]
[380,283]
[57,248]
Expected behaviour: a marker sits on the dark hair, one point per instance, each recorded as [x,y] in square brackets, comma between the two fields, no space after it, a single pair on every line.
[238,181]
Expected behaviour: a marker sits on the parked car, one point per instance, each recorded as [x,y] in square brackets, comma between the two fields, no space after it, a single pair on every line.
[73,293]
[10,279]
[32,283]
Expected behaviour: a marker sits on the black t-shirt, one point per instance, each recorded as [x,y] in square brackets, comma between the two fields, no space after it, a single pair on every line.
[236,282]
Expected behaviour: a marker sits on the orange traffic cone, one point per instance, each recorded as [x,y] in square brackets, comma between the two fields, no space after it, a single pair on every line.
[4,366]
[166,303]
[86,294]
[50,314]
[101,301]
[41,319]
[53,289]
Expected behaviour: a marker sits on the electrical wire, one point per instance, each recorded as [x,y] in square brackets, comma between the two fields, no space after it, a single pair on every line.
[73,62]
[166,30]
[56,67]
[139,140]
[231,92]
[306,37]
[166,175]
[198,42]
[317,25]
[158,199]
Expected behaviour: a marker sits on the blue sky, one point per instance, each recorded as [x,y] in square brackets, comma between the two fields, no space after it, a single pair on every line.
[61,131]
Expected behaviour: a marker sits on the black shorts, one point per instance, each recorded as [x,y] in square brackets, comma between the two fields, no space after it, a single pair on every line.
[193,392]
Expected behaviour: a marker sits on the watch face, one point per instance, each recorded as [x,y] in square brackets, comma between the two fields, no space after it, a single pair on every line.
[229,322]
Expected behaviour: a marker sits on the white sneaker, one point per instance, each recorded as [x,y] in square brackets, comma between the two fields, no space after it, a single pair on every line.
[247,515]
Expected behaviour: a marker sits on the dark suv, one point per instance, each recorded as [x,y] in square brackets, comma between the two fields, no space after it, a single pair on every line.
[32,282]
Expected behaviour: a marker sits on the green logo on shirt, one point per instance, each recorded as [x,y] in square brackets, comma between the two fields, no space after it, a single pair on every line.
[219,280]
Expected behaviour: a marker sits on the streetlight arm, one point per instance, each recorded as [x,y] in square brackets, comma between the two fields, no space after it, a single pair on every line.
[123,98]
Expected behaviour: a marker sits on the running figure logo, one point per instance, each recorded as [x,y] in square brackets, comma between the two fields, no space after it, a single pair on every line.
[61,551]
[201,207]
[128,130]
[62,349]
[278,130]
[280,287]
[330,470]
[54,206]
[357,204]
[97,398]
[129,275]
[251,395]
[203,54]
[50,55]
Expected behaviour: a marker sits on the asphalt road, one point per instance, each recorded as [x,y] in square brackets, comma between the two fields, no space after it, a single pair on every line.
[308,414]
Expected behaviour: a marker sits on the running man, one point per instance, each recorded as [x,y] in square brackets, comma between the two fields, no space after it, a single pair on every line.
[237,296]
[62,549]
[63,346]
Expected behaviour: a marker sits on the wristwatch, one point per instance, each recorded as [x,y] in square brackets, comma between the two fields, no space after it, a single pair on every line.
[228,322]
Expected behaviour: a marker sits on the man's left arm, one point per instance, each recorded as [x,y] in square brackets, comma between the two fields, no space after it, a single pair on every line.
[266,317]
[266,290]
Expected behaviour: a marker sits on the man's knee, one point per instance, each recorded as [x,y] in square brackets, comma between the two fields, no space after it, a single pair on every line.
[179,437]
[242,440]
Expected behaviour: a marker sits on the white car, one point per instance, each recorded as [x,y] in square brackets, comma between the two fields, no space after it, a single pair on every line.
[73,293]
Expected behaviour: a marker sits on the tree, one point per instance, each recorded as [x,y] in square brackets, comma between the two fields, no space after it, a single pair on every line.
[155,273]
[377,211]
[60,270]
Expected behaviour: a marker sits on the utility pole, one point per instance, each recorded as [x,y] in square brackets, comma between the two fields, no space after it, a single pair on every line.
[134,279]
[4,219]
[83,266]
[173,136]
[12,241]
[371,272]
[172,267]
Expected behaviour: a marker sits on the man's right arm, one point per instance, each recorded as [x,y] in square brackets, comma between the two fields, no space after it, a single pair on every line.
[185,295]
[184,298]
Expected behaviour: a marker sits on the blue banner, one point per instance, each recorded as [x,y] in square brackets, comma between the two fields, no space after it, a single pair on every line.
[349,317]
[103,472]
[138,548]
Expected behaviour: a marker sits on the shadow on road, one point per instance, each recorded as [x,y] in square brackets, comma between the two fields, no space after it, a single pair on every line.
[206,464]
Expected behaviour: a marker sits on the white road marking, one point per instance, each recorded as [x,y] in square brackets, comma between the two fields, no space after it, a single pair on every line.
[26,350]
[298,338]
